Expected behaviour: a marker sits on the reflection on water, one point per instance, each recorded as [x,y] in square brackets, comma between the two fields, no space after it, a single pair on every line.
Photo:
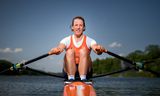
[50,86]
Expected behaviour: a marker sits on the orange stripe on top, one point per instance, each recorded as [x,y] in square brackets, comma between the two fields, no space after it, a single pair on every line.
[77,49]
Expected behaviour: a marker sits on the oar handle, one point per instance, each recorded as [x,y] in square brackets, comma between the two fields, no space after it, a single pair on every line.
[120,57]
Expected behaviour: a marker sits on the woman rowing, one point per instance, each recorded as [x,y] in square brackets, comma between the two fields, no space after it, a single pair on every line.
[78,47]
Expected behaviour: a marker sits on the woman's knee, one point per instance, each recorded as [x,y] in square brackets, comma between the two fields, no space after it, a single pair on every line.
[70,52]
[83,52]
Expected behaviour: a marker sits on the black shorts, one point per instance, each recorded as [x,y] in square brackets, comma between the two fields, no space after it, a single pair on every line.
[77,77]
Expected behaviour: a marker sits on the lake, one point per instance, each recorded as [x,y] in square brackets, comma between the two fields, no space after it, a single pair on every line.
[51,86]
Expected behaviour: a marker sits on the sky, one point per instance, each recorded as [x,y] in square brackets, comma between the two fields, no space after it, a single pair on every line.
[30,28]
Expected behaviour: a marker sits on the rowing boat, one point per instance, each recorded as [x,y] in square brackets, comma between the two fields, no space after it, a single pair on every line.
[79,88]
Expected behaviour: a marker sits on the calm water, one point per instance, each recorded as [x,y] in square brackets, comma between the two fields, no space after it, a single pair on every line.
[50,86]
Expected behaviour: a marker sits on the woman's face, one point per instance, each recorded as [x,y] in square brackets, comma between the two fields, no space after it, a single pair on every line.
[78,27]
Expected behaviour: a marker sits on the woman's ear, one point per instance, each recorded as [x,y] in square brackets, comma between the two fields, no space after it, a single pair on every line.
[84,28]
[71,27]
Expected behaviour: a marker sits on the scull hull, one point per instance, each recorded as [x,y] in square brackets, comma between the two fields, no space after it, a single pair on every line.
[78,88]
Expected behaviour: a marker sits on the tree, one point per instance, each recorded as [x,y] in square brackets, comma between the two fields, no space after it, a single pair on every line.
[4,64]
[152,51]
[137,56]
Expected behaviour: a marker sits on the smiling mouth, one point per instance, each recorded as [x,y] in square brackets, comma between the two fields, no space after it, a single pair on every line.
[78,31]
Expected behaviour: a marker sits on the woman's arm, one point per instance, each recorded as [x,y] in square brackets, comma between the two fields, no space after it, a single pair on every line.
[57,50]
[98,49]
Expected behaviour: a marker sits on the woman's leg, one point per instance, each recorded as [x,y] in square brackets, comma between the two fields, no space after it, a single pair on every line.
[70,66]
[85,63]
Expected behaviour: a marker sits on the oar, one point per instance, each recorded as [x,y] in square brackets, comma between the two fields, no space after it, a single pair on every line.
[45,73]
[137,65]
[20,65]
[111,73]
[120,57]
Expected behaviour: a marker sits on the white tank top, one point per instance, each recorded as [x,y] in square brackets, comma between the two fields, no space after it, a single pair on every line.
[89,41]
